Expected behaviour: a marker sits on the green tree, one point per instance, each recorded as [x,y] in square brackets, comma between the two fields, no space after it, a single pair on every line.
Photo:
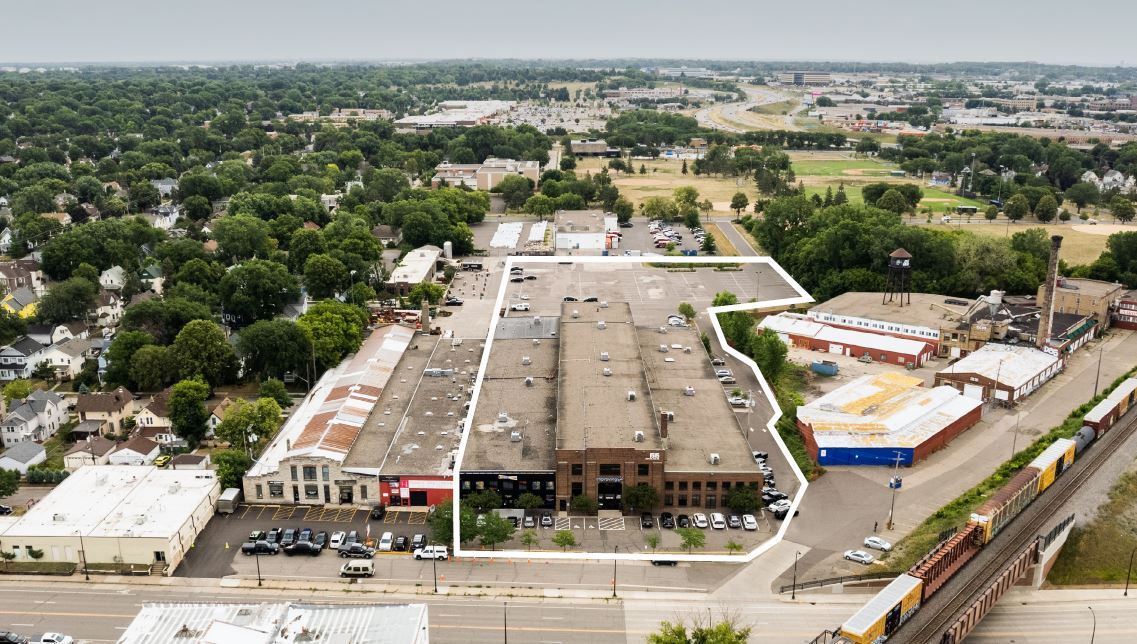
[187,409]
[17,390]
[709,245]
[652,540]
[441,523]
[494,530]
[583,504]
[1122,208]
[692,538]
[273,348]
[275,390]
[769,353]
[163,319]
[992,213]
[687,311]
[642,497]
[721,633]
[565,539]
[739,202]
[87,272]
[724,298]
[9,482]
[197,208]
[742,500]
[733,546]
[567,163]
[484,501]
[250,423]
[149,368]
[623,209]
[11,327]
[201,349]
[540,205]
[231,467]
[1083,194]
[683,170]
[324,276]
[660,208]
[242,237]
[515,190]
[430,292]
[1046,209]
[893,201]
[1016,207]
[333,329]
[529,539]
[528,501]
[66,301]
[257,290]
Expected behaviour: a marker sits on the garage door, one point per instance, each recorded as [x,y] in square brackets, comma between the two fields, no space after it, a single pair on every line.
[973,391]
[836,348]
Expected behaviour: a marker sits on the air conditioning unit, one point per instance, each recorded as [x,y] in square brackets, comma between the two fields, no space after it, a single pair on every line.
[663,348]
[603,356]
[714,459]
[526,360]
[631,396]
[638,437]
[502,417]
[536,342]
[604,304]
[529,381]
[515,437]
[688,391]
[600,325]
[670,415]
[606,371]
[686,349]
[663,329]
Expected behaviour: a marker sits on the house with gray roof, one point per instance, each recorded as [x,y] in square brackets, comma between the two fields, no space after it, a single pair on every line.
[36,418]
[20,359]
[21,456]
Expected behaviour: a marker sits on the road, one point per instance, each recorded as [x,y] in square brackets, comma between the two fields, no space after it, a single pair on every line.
[729,111]
[740,244]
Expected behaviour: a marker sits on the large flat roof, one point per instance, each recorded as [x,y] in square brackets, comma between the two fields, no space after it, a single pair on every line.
[593,406]
[1091,288]
[1010,365]
[416,265]
[926,309]
[797,324]
[118,501]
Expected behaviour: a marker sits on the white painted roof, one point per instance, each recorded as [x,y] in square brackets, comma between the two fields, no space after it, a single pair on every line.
[416,265]
[1019,364]
[796,324]
[880,605]
[118,501]
[1109,402]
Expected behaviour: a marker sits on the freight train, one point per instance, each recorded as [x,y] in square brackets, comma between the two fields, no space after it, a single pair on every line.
[878,619]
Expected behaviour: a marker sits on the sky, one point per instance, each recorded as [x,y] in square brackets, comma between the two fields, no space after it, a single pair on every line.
[923,31]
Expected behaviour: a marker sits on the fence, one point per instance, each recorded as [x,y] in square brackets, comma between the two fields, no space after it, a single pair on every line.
[818,583]
[1054,532]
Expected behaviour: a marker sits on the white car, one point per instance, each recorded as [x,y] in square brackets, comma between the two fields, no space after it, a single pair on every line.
[57,638]
[749,522]
[876,543]
[431,552]
[722,373]
[781,504]
[738,401]
[859,556]
[699,520]
[523,297]
[386,541]
[718,521]
[337,540]
[520,307]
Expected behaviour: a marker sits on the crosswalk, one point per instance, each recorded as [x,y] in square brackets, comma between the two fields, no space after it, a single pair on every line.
[611,523]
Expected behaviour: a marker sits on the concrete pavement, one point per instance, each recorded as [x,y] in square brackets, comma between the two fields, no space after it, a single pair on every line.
[740,243]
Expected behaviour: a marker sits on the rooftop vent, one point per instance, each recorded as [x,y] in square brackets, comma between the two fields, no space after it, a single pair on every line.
[606,371]
[529,381]
[536,342]
[526,360]
[536,320]
[688,391]
[600,325]
[714,459]
[502,417]
[663,329]
[670,415]
[515,437]
[638,437]
[663,348]
[631,396]
[604,304]
[59,517]
[575,314]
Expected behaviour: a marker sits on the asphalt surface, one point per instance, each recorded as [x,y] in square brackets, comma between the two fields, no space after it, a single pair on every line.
[740,244]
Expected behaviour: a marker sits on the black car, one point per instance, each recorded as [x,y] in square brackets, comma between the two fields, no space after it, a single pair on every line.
[5,509]
[517,279]
[646,520]
[591,299]
[530,277]
[357,551]
[569,298]
[305,536]
[301,548]
[418,541]
[683,521]
[260,548]
[781,514]
[625,224]
[289,537]
[734,521]
[273,535]
[514,520]
[320,540]
[453,301]
[378,512]
[8,637]
[664,562]
[400,544]
[666,520]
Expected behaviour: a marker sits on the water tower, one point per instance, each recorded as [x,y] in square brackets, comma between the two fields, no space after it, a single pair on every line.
[899,282]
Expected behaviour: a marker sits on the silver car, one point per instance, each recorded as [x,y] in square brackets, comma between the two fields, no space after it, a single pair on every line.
[859,556]
[876,543]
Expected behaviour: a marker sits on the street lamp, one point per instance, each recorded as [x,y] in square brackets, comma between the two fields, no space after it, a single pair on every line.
[434,559]
[1093,632]
[894,483]
[793,588]
[505,622]
[1127,573]
[83,551]
[614,560]
[258,557]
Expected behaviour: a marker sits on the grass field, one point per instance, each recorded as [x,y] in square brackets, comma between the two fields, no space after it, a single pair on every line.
[1077,247]
[664,176]
[1099,552]
[781,107]
[850,167]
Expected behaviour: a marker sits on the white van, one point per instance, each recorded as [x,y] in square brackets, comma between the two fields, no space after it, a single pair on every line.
[358,568]
[386,541]
[718,521]
[523,306]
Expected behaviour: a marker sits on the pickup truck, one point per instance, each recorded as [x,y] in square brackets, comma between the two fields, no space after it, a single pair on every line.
[259,548]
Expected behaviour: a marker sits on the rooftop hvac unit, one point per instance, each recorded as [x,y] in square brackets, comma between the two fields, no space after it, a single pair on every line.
[502,417]
[686,349]
[606,371]
[688,391]
[140,519]
[603,356]
[59,517]
[663,348]
[526,360]
[515,437]
[536,342]
[714,459]
[670,415]
[663,329]
[575,314]
[638,437]
[175,487]
[529,381]
[600,325]
[604,304]
[631,396]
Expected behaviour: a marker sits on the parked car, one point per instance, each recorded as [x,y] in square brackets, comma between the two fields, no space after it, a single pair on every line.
[162,460]
[625,224]
[352,537]
[700,520]
[780,504]
[546,520]
[722,373]
[453,301]
[728,380]
[664,562]
[378,512]
[289,537]
[260,548]
[760,456]
[56,638]
[517,279]
[337,540]
[749,522]
[738,401]
[718,521]
[876,543]
[386,541]
[666,520]
[273,535]
[523,306]
[418,541]
[683,521]
[302,548]
[320,540]
[257,535]
[568,298]
[859,556]
[8,637]
[646,520]
[357,569]
[431,552]
[530,277]
[591,298]
[401,544]
[357,551]
[305,536]
[734,521]
[529,522]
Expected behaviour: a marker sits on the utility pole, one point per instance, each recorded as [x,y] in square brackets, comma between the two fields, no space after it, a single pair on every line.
[793,589]
[1097,379]
[1093,632]
[1127,573]
[614,560]
[1015,439]
[894,483]
[505,621]
[258,556]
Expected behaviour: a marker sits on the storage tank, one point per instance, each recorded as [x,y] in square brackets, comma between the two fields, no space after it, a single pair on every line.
[448,250]
[1083,438]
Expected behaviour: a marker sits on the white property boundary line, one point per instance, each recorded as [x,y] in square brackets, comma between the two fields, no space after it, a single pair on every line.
[510,260]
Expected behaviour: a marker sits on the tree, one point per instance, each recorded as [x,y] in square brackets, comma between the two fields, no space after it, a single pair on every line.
[567,163]
[87,272]
[652,540]
[257,289]
[893,201]
[769,353]
[187,409]
[1046,209]
[324,276]
[1083,194]
[660,208]
[1016,207]
[441,523]
[683,170]
[623,209]
[733,546]
[692,538]
[515,189]
[163,319]
[333,330]
[149,368]
[68,300]
[528,501]
[273,348]
[495,529]
[540,205]
[275,390]
[840,197]
[242,237]
[201,349]
[249,423]
[9,482]
[687,311]
[197,208]
[709,245]
[721,633]
[17,390]
[484,501]
[739,202]
[642,497]
[425,291]
[583,504]
[565,539]
[1122,208]
[742,500]
[992,213]
[231,467]
[529,539]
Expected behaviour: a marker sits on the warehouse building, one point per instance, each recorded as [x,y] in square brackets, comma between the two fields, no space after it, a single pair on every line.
[590,404]
[416,267]
[117,515]
[1093,298]
[801,331]
[921,318]
[1002,372]
[884,419]
[588,232]
[277,623]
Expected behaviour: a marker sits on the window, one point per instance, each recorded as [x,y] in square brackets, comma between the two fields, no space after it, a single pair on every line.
[667,499]
[293,468]
[696,486]
[643,469]
[712,502]
[535,486]
[507,485]
[480,485]
[668,485]
[577,469]
[609,469]
[325,473]
[682,486]
[694,500]
[260,491]
[577,489]
[312,491]
[725,486]
[466,485]
[682,500]
[275,489]
[712,486]
[309,472]
[363,491]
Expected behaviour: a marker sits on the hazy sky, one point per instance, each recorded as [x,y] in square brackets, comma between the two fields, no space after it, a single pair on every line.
[226,30]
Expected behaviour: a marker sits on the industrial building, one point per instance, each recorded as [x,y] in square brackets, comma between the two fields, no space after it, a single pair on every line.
[1093,298]
[454,114]
[804,78]
[1003,372]
[590,404]
[416,267]
[801,331]
[585,232]
[277,623]
[884,419]
[1125,313]
[117,515]
[921,318]
[484,176]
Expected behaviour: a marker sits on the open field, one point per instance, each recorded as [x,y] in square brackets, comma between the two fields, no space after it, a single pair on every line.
[821,170]
[664,176]
[779,108]
[852,167]
[1077,247]
[1098,552]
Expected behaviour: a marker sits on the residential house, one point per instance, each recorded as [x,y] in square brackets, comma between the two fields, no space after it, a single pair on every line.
[21,273]
[91,451]
[92,212]
[68,356]
[190,462]
[48,334]
[21,456]
[20,359]
[311,225]
[36,418]
[63,218]
[209,245]
[108,308]
[152,279]
[387,234]
[63,200]
[136,451]
[156,413]
[164,436]
[165,186]
[113,278]
[217,414]
[164,217]
[87,430]
[110,408]
[5,240]
[20,302]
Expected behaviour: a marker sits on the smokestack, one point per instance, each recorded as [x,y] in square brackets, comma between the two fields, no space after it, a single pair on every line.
[663,424]
[1046,315]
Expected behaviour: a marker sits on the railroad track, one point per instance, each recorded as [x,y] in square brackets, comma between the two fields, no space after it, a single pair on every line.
[934,618]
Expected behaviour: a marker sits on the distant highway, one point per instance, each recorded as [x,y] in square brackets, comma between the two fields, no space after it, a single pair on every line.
[730,111]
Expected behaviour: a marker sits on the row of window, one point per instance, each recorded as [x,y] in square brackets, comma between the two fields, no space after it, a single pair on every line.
[699,486]
[607,469]
[692,501]
[309,472]
[508,485]
[895,328]
[276,490]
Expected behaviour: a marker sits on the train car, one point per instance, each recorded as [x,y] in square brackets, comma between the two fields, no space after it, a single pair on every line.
[1005,504]
[1053,461]
[1082,439]
[877,620]
[941,564]
[1112,407]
